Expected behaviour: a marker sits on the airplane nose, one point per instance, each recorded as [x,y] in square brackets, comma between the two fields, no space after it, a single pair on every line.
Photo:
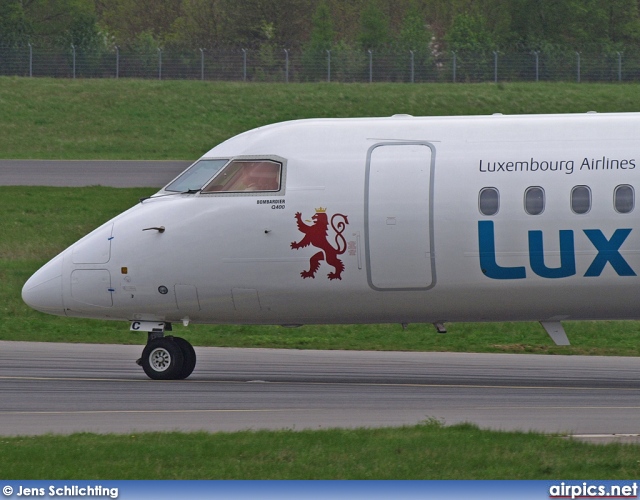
[43,291]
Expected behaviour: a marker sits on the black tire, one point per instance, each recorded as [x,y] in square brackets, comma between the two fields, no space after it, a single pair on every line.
[189,355]
[162,359]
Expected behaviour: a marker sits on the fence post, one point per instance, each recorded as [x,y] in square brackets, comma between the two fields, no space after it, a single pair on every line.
[328,66]
[370,65]
[159,63]
[619,66]
[202,64]
[454,66]
[30,60]
[73,50]
[578,61]
[495,66]
[412,67]
[286,65]
[117,62]
[244,65]
[536,53]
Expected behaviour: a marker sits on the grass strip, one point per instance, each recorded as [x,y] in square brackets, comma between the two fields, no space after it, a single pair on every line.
[426,451]
[146,119]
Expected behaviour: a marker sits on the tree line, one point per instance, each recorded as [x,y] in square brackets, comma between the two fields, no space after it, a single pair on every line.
[428,27]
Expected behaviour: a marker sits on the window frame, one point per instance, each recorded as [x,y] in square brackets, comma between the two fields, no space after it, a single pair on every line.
[544,200]
[573,189]
[189,172]
[248,159]
[485,190]
[633,198]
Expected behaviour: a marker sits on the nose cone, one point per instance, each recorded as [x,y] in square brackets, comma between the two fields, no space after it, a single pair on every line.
[43,291]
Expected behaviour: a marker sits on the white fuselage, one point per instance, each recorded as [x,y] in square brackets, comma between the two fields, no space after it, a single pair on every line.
[414,244]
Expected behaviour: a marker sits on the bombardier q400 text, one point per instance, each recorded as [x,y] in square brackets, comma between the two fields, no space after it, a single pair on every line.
[372,220]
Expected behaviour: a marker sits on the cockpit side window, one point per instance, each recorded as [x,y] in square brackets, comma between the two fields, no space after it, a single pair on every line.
[196,176]
[247,175]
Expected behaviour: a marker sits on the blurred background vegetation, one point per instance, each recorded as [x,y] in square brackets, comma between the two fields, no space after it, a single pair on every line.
[430,26]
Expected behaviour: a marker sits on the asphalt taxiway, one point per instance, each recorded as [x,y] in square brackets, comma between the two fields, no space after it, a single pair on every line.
[66,388]
[77,173]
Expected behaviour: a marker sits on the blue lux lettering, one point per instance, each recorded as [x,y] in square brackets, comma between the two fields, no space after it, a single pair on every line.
[488,262]
[567,256]
[608,252]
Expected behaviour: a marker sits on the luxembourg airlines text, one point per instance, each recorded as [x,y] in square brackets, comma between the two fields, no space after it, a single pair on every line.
[566,166]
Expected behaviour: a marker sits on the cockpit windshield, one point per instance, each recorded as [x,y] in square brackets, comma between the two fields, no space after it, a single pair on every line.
[247,175]
[196,176]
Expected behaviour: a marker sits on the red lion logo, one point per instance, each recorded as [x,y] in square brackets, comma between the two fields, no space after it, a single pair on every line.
[316,235]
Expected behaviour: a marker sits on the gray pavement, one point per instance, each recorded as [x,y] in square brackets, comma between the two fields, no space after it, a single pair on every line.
[65,388]
[77,173]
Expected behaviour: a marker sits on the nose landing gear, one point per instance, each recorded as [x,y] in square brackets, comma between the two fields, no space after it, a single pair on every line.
[167,358]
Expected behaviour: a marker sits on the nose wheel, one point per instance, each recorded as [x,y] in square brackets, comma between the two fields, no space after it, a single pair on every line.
[168,358]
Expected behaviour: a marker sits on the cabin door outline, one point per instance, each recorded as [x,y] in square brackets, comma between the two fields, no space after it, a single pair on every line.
[399,183]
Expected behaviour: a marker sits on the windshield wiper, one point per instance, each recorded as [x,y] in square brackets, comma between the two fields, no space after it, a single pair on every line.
[188,191]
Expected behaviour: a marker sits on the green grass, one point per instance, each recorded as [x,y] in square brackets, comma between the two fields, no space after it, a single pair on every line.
[142,119]
[426,451]
[39,222]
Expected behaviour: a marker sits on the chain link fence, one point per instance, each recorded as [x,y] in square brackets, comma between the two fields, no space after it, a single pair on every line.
[270,64]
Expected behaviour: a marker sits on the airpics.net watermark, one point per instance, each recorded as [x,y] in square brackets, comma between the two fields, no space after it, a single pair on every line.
[75,490]
[587,490]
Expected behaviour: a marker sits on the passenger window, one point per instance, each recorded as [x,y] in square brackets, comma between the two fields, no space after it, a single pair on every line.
[534,200]
[624,199]
[247,175]
[580,200]
[489,201]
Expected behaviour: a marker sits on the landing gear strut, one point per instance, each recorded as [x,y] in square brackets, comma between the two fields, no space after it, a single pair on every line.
[167,358]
